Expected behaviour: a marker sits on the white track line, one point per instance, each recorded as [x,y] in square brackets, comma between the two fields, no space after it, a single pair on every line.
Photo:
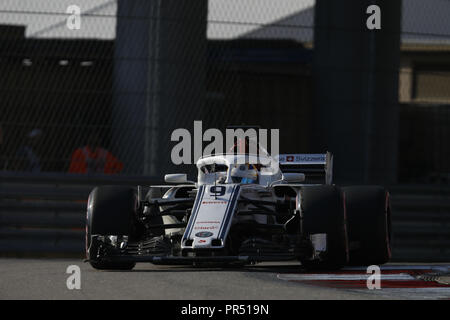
[442,268]
[330,276]
[409,293]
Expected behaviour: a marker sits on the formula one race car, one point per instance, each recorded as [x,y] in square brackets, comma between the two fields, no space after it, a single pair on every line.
[243,209]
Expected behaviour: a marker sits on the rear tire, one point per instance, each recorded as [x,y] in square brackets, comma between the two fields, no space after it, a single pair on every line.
[111,211]
[369,213]
[324,212]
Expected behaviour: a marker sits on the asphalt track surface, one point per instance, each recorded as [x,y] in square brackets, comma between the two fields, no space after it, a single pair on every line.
[46,279]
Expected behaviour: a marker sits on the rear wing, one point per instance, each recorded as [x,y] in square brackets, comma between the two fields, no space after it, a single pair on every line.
[316,167]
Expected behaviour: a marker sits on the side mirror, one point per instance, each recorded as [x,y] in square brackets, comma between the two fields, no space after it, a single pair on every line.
[176,178]
[293,177]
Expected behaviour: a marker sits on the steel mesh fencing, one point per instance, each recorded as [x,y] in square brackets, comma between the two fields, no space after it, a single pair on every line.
[134,71]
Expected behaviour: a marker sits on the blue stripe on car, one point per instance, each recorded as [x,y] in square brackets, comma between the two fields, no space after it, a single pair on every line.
[194,212]
[230,212]
[226,210]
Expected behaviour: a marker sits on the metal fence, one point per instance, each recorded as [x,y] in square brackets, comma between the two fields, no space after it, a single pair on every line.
[63,89]
[424,148]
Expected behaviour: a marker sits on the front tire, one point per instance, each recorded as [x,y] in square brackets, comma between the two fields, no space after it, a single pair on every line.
[323,209]
[111,211]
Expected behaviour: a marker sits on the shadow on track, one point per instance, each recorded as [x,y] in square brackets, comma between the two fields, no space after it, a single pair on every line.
[292,268]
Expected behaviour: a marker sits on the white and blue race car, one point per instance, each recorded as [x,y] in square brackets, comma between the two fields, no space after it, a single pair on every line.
[243,209]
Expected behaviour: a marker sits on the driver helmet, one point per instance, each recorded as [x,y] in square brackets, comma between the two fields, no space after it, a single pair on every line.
[244,173]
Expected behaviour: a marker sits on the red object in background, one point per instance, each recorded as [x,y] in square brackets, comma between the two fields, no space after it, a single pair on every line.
[84,160]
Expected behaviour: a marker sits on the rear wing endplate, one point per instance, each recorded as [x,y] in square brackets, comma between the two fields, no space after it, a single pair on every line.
[316,167]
